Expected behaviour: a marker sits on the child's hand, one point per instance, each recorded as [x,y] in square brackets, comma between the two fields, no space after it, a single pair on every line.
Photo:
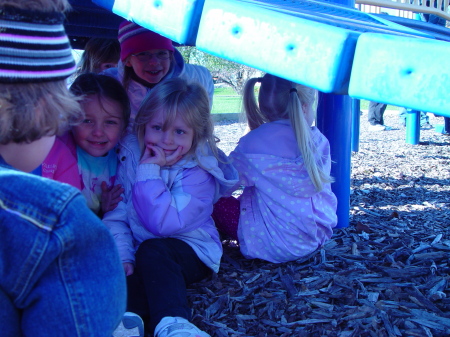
[110,196]
[174,157]
[128,268]
[155,155]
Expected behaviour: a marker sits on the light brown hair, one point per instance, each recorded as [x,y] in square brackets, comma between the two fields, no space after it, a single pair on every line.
[29,111]
[96,52]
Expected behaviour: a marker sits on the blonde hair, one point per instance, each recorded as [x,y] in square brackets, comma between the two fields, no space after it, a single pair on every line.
[281,99]
[98,51]
[176,97]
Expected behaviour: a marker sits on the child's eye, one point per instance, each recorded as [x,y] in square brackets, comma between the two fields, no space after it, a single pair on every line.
[180,132]
[156,127]
[87,121]
[111,122]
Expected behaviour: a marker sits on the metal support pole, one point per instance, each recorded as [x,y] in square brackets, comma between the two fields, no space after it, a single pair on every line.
[334,117]
[446,125]
[335,122]
[412,127]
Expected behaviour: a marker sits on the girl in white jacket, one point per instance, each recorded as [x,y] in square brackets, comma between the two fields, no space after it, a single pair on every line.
[172,175]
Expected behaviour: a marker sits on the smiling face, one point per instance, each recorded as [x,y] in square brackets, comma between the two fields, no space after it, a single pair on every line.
[102,127]
[151,70]
[171,137]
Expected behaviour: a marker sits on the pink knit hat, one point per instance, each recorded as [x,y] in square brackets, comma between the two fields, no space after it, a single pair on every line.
[136,39]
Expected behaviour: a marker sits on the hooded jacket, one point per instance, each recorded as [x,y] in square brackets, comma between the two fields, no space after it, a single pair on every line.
[282,216]
[175,202]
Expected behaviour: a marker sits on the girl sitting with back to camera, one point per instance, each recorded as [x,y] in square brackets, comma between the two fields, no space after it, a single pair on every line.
[287,209]
[172,175]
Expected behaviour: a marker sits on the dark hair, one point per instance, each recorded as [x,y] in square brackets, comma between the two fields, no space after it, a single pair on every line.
[104,86]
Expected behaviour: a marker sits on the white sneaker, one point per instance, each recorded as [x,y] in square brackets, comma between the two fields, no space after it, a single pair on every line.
[178,327]
[131,326]
[379,127]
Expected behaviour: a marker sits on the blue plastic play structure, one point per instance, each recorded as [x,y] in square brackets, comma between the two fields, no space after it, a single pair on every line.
[342,52]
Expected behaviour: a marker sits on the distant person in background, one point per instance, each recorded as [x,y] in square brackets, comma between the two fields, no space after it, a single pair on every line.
[375,116]
[424,119]
[60,273]
[99,54]
[146,59]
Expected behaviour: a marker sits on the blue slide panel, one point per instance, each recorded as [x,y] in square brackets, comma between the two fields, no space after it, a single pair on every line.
[309,42]
[304,51]
[402,71]
[176,19]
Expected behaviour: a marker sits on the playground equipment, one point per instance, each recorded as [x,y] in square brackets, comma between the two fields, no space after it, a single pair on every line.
[342,52]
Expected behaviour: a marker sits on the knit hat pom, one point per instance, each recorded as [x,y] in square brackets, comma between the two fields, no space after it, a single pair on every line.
[136,39]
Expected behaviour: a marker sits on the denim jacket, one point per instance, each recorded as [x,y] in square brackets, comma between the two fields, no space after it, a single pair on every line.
[53,252]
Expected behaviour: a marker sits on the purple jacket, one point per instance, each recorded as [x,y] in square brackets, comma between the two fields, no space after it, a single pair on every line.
[282,216]
[175,201]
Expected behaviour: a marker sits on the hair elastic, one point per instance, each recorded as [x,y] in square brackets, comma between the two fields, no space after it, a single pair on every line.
[34,46]
[293,90]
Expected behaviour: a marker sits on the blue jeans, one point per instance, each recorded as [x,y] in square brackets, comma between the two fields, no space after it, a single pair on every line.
[376,112]
[60,273]
[424,119]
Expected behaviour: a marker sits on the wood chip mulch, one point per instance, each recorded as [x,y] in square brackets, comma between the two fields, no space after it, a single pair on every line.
[386,274]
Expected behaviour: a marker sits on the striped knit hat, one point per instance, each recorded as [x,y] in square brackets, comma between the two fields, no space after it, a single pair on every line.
[33,46]
[136,39]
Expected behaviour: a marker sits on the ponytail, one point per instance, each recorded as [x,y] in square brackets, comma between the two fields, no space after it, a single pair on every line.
[303,134]
[254,116]
[281,99]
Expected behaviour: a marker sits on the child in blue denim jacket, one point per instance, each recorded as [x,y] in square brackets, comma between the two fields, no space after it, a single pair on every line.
[60,273]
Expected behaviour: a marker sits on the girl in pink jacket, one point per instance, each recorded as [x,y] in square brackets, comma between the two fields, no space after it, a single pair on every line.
[86,156]
[287,209]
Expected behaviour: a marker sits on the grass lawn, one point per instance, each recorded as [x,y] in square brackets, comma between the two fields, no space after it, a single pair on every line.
[227,101]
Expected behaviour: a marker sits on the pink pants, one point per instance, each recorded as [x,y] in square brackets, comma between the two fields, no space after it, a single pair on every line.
[226,216]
